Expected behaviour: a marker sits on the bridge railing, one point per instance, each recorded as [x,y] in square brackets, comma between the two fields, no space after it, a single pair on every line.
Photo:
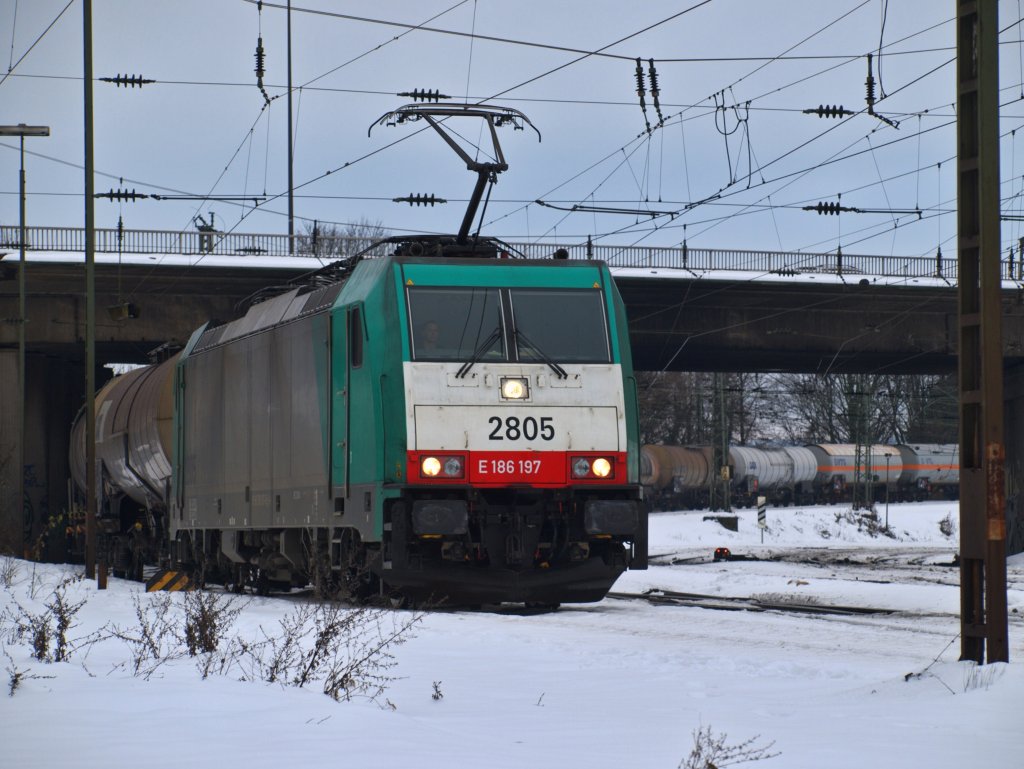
[764,262]
[190,242]
[111,241]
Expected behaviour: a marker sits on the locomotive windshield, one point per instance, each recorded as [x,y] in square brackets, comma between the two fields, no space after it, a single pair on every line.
[564,325]
[456,323]
[518,324]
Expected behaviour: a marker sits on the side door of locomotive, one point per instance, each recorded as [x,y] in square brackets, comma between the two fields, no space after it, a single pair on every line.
[346,354]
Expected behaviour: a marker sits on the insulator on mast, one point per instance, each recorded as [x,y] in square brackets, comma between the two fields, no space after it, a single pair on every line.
[829,110]
[128,81]
[422,94]
[420,200]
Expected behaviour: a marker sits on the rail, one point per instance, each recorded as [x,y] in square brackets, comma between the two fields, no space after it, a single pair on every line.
[111,241]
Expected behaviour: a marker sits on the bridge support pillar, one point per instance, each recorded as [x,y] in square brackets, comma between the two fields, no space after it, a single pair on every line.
[1013,421]
[10,437]
[35,524]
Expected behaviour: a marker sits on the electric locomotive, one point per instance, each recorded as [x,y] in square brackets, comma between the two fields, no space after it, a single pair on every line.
[437,424]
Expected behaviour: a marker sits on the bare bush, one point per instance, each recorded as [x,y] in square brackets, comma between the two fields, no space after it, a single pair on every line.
[17,676]
[156,638]
[208,617]
[947,525]
[866,522]
[47,631]
[10,568]
[790,598]
[348,651]
[271,658]
[981,676]
[712,751]
[363,668]
[166,630]
[38,631]
[63,611]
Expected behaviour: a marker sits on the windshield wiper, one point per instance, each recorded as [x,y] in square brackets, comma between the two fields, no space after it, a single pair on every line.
[479,352]
[559,371]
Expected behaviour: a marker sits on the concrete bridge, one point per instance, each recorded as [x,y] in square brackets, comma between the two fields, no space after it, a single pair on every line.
[689,310]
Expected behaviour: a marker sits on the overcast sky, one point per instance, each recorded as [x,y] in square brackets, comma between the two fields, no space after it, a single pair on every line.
[733,126]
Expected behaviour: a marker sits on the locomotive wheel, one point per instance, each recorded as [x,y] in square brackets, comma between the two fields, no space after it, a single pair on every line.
[138,561]
[238,579]
[356,581]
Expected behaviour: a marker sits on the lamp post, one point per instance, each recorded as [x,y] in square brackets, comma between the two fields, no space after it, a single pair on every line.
[21,131]
[887,456]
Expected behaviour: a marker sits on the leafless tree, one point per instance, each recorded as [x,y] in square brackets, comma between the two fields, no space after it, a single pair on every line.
[840,408]
[686,408]
[340,240]
[681,408]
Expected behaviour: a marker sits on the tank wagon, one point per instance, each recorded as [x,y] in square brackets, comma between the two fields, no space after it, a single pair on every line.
[439,423]
[677,476]
[930,470]
[674,467]
[134,436]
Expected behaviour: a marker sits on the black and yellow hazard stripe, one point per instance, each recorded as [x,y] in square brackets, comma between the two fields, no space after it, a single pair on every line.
[169,580]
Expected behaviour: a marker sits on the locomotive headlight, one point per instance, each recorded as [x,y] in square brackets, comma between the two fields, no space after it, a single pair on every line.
[592,467]
[514,388]
[442,466]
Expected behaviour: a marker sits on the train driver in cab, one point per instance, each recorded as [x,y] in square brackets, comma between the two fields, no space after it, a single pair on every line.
[428,339]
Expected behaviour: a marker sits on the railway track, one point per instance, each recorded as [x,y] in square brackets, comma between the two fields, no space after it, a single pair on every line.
[736,603]
[819,556]
[936,623]
[931,566]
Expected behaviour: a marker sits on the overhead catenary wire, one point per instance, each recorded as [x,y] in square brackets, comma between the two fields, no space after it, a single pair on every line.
[723,202]
[260,4]
[769,207]
[719,220]
[14,29]
[12,67]
[761,167]
[113,176]
[600,52]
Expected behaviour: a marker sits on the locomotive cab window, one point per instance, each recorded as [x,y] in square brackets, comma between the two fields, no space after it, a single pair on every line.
[563,325]
[516,324]
[456,323]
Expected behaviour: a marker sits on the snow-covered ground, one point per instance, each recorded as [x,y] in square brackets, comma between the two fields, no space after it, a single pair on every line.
[621,683]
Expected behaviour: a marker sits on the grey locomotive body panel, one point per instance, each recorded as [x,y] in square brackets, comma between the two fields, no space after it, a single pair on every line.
[257,408]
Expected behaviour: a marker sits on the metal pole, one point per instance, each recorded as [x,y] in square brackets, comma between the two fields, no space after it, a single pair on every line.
[291,179]
[887,456]
[90,305]
[983,604]
[21,338]
[21,131]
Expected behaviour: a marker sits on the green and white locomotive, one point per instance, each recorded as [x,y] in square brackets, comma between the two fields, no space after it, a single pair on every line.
[457,428]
